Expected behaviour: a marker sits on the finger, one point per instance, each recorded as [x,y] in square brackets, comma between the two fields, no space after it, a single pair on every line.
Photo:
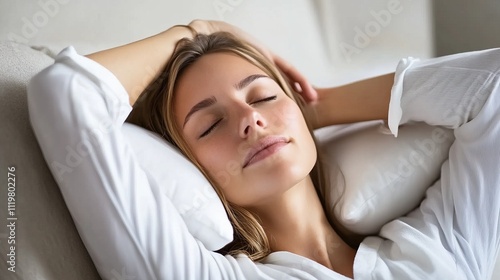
[300,82]
[304,87]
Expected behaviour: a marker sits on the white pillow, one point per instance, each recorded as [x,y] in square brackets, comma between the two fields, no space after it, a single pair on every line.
[385,177]
[187,188]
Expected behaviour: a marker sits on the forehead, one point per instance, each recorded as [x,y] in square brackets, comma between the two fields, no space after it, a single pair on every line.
[211,75]
[216,70]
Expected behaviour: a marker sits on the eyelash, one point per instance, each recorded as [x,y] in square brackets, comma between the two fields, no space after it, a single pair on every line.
[270,98]
[213,126]
[210,129]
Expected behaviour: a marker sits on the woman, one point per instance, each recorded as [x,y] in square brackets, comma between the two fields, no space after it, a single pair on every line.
[240,110]
[241,114]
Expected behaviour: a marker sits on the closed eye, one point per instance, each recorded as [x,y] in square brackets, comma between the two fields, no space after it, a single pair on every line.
[212,127]
[266,99]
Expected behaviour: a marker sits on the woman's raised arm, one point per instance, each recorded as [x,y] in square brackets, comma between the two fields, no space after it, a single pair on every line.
[139,63]
[359,101]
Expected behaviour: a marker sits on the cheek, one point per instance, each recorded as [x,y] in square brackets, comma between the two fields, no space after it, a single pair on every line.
[219,162]
[287,115]
[291,119]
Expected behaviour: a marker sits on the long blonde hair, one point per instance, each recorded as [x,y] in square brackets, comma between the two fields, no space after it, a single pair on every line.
[154,111]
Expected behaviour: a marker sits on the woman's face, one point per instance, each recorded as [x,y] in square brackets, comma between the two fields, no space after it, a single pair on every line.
[249,136]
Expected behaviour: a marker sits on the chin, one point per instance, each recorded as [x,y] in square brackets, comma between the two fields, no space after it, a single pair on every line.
[278,173]
[285,171]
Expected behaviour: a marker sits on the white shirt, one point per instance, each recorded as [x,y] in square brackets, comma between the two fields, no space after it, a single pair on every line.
[77,108]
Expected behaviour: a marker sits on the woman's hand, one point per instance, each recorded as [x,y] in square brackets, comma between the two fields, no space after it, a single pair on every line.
[295,78]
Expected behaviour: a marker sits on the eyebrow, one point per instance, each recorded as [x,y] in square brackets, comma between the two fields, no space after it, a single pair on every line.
[207,102]
[246,81]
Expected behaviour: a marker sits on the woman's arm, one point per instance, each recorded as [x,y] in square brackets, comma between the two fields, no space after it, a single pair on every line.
[360,101]
[125,219]
[137,64]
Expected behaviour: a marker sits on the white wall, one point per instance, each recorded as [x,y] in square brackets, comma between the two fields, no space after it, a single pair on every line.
[331,41]
[372,35]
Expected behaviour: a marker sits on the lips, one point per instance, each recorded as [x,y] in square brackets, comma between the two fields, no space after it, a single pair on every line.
[263,148]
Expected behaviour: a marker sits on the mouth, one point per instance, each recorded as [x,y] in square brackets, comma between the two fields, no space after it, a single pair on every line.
[263,148]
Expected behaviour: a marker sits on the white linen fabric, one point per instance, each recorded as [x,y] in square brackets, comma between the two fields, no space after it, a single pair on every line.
[125,222]
[454,234]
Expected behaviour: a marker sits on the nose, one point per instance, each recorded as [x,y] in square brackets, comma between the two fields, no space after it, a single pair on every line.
[251,121]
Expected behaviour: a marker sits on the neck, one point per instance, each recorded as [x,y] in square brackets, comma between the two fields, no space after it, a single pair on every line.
[296,222]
